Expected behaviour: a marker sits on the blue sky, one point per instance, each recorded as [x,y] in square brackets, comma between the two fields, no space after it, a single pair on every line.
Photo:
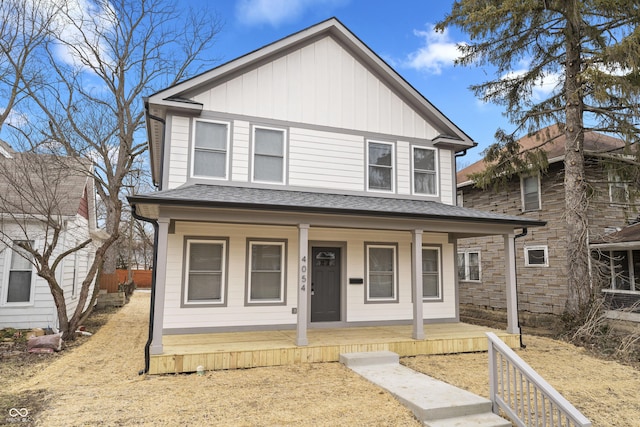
[399,31]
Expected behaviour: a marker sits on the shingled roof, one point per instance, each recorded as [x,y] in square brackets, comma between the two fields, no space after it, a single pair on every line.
[205,195]
[38,184]
[593,142]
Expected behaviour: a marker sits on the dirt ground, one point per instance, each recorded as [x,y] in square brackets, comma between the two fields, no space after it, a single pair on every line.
[97,383]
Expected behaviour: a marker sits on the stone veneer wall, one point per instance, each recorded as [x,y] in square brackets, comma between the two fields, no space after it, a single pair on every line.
[540,289]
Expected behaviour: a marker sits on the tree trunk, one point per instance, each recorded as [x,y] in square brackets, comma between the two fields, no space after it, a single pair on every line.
[579,287]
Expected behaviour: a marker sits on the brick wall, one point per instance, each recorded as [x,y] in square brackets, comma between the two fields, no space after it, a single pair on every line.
[540,289]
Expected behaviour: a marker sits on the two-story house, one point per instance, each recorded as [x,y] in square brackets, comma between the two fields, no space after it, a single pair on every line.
[305,185]
[541,253]
[35,192]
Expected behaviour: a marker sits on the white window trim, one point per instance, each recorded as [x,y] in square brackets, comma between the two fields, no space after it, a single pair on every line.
[394,297]
[8,253]
[283,272]
[460,198]
[614,181]
[393,166]
[536,248]
[223,277]
[284,154]
[522,198]
[467,274]
[633,285]
[193,151]
[440,290]
[436,171]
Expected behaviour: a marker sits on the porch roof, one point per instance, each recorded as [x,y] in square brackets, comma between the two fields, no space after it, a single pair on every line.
[224,196]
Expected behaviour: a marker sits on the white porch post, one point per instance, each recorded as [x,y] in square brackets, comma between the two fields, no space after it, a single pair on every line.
[510,276]
[159,291]
[303,283]
[418,322]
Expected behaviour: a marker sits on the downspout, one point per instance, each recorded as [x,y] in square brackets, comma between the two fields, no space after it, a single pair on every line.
[153,286]
[525,231]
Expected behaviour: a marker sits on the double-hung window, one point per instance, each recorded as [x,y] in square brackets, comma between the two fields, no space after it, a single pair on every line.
[19,286]
[266,275]
[269,155]
[425,176]
[205,265]
[618,189]
[380,160]
[210,157]
[530,187]
[431,288]
[381,273]
[469,266]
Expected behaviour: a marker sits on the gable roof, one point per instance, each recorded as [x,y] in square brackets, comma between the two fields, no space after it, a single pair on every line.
[176,97]
[593,142]
[38,184]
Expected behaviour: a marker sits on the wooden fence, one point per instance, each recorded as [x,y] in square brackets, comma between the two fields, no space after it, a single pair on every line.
[111,282]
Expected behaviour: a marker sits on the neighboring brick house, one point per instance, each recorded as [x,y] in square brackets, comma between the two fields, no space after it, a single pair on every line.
[541,253]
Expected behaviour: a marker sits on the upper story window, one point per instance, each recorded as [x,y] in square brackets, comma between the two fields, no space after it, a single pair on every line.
[20,277]
[425,176]
[205,275]
[380,161]
[536,256]
[618,189]
[269,155]
[530,187]
[210,157]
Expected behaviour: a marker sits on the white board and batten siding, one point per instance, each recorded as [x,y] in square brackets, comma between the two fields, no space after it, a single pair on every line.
[236,314]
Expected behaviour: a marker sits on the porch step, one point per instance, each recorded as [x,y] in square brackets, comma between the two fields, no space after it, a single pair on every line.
[433,402]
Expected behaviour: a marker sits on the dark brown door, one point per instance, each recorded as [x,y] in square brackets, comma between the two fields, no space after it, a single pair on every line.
[325,284]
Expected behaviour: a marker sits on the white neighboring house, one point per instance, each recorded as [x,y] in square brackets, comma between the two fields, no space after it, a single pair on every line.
[25,298]
[306,185]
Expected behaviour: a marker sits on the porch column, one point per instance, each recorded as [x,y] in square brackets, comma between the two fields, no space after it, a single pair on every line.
[418,322]
[510,281]
[303,283]
[159,291]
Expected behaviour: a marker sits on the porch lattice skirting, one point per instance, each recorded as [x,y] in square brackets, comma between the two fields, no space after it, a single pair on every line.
[184,353]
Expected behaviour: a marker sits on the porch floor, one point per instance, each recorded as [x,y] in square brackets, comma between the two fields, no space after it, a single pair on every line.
[239,350]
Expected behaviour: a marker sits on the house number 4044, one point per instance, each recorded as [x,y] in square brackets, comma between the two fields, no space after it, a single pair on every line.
[303,270]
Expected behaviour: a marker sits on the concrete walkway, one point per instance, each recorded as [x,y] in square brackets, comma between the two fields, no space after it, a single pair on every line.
[433,402]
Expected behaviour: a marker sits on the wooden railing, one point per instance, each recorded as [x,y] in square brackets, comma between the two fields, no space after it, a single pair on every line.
[523,395]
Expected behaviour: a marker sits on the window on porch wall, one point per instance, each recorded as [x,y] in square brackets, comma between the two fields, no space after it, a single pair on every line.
[20,275]
[205,272]
[266,275]
[431,273]
[381,273]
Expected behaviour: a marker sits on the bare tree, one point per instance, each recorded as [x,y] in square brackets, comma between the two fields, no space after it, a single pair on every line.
[40,198]
[116,52]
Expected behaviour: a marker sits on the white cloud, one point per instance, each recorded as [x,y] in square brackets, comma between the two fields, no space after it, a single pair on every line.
[543,87]
[438,52]
[276,12]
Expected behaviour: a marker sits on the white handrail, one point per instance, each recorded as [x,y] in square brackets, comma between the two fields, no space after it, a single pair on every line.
[524,396]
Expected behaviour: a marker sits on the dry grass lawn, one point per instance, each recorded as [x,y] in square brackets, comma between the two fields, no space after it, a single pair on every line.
[97,383]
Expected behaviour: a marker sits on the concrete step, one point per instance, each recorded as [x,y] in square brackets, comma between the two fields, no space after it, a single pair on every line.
[429,399]
[477,420]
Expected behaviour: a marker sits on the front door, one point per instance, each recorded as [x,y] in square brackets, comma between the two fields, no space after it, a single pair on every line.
[325,284]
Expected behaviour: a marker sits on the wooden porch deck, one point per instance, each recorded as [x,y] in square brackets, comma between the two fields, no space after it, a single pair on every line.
[238,350]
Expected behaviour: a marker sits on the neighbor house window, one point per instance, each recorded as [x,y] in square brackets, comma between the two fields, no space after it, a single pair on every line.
[460,198]
[205,277]
[430,273]
[425,177]
[530,186]
[381,272]
[269,155]
[469,266]
[266,275]
[380,161]
[210,149]
[622,270]
[19,287]
[536,256]
[618,189]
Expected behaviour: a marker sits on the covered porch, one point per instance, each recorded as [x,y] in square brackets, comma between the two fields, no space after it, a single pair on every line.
[239,350]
